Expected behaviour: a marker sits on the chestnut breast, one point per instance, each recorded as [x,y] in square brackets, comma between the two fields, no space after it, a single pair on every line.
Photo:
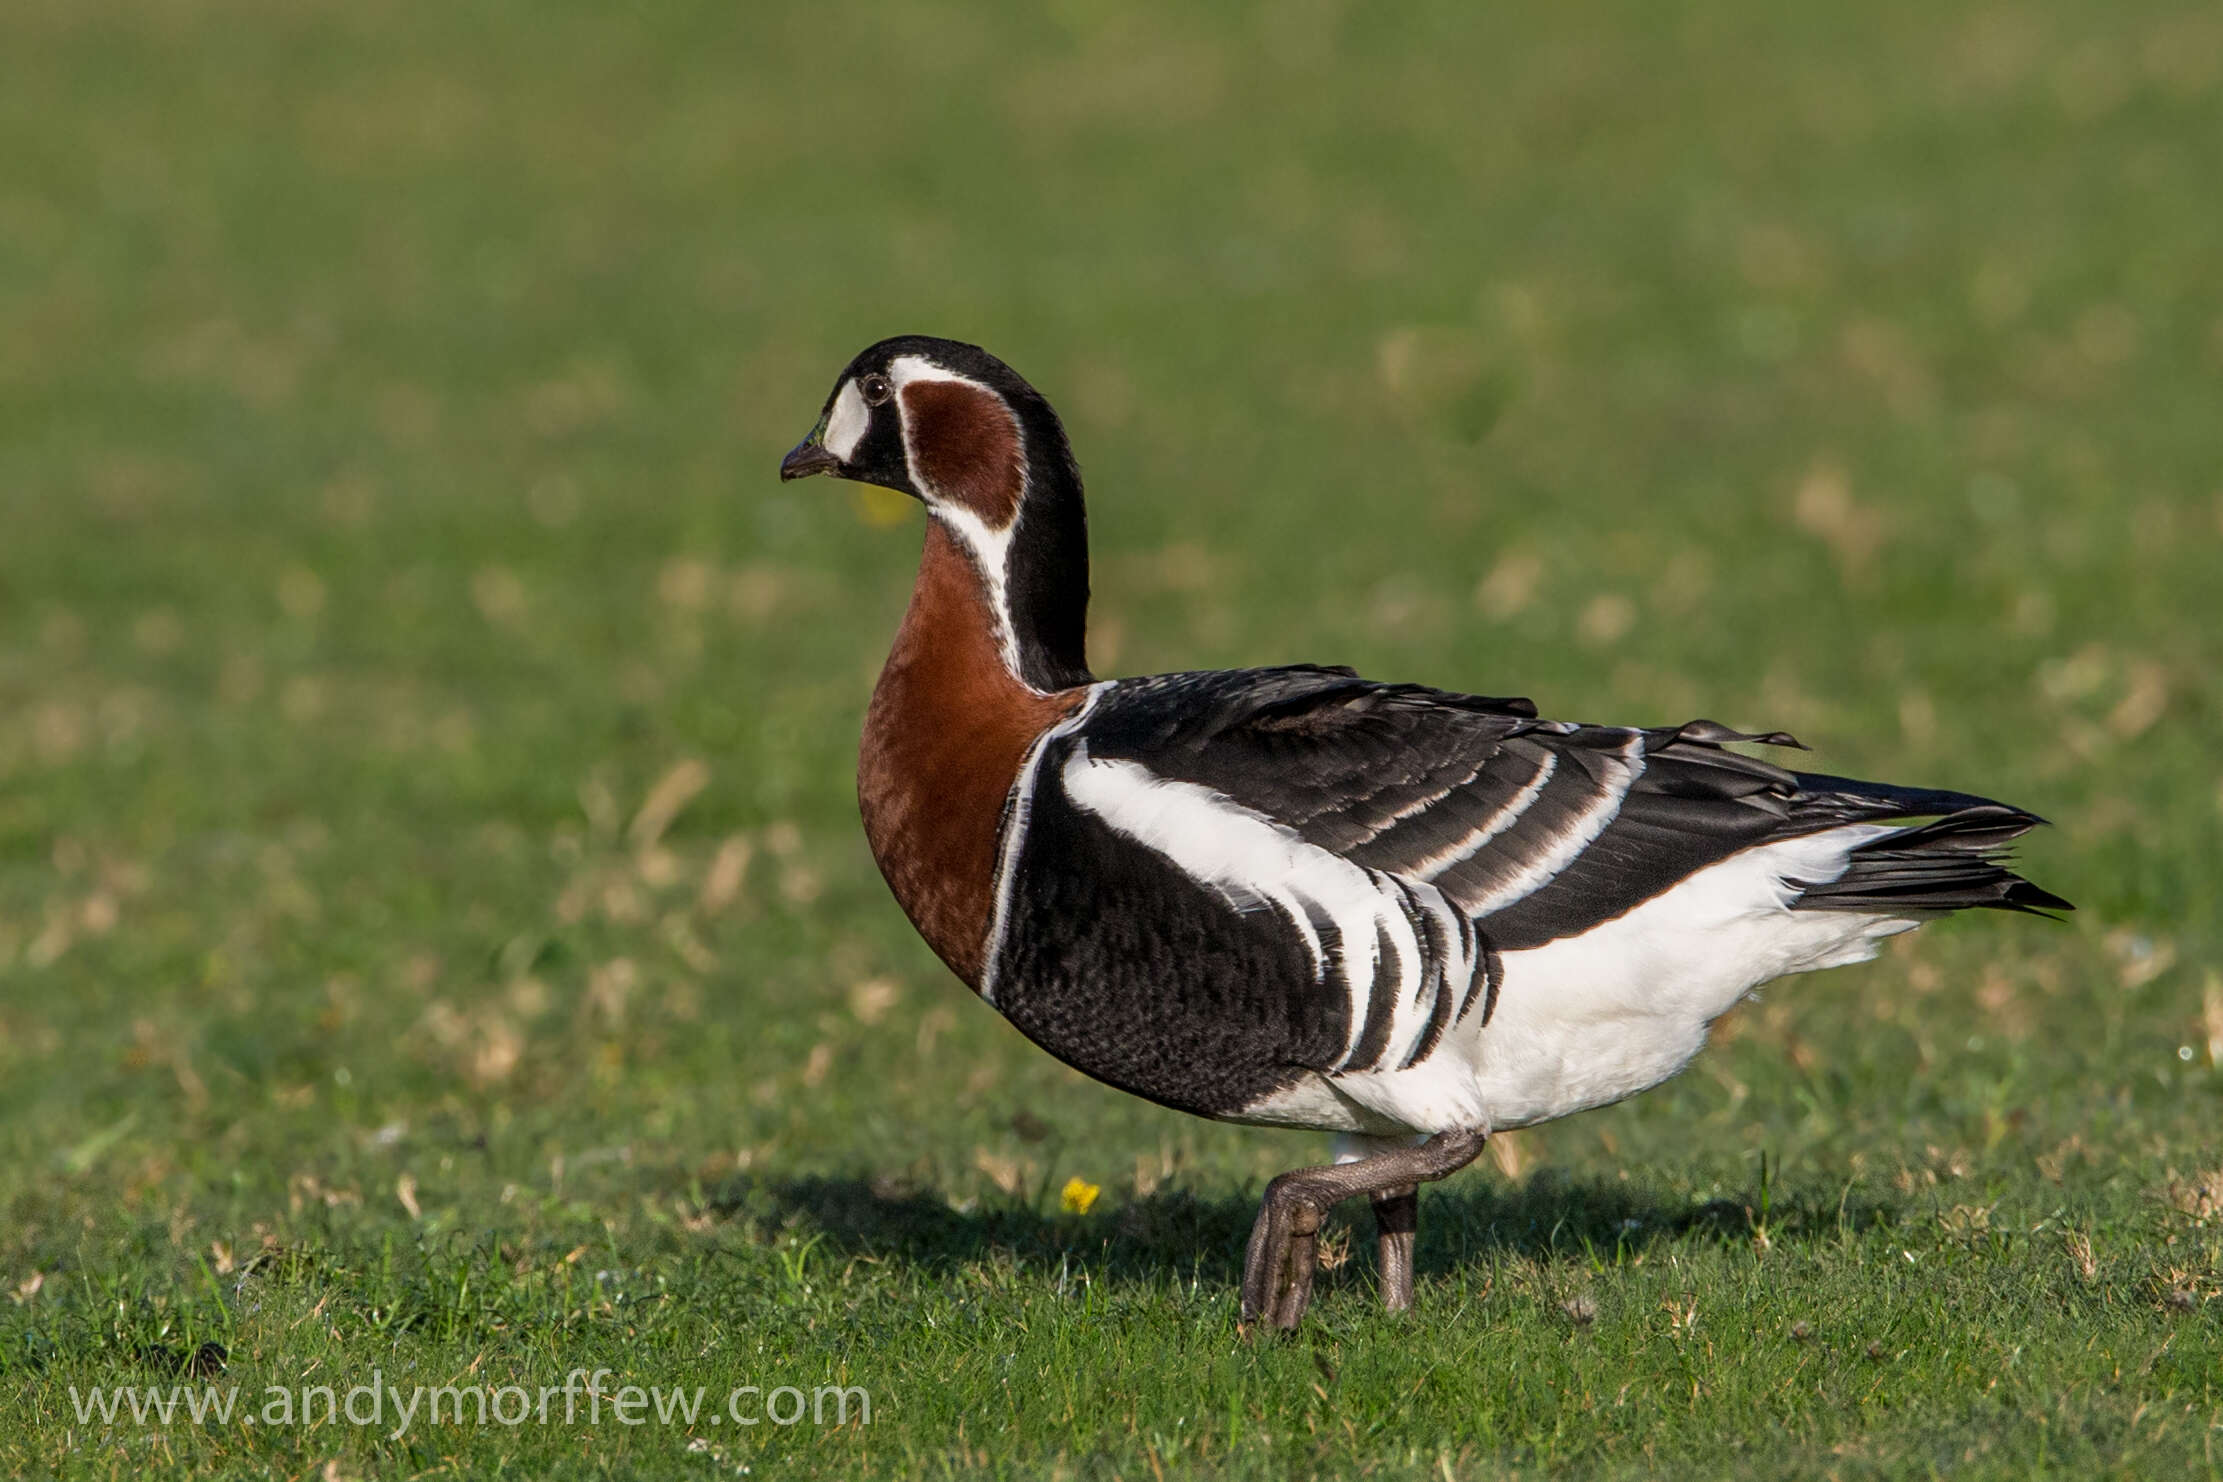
[948,729]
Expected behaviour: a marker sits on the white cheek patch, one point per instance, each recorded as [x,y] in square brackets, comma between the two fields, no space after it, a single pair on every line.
[847,423]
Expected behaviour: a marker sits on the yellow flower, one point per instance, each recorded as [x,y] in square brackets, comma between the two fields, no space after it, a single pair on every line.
[1077,1195]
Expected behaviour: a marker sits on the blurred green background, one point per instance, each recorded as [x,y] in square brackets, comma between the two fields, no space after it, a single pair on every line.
[427,847]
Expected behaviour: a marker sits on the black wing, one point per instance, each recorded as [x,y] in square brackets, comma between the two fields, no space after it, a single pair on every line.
[1537,829]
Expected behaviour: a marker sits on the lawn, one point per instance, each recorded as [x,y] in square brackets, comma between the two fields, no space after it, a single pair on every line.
[436,940]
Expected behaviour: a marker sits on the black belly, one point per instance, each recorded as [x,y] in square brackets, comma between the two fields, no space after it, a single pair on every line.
[1131,972]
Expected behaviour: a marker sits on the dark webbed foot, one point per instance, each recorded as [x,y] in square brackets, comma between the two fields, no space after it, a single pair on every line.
[1278,1269]
[1284,1251]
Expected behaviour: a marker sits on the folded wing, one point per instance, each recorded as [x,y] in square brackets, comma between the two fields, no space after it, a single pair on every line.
[1535,829]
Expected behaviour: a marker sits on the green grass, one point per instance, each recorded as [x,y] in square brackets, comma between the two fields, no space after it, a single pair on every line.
[389,400]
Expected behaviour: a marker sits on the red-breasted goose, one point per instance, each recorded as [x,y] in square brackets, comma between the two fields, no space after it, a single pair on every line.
[1300,898]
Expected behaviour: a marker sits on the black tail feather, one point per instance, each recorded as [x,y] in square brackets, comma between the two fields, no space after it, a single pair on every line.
[1956,862]
[1825,801]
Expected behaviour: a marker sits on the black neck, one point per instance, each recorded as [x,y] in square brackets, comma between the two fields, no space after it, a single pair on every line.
[1046,578]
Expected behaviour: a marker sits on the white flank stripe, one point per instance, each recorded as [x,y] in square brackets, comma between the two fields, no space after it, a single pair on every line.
[1497,823]
[1416,1007]
[1586,827]
[1018,808]
[1590,1019]
[1253,863]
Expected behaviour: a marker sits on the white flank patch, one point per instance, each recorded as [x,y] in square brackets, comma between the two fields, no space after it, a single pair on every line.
[1312,1102]
[1440,1094]
[1017,809]
[1594,1018]
[847,423]
[1254,863]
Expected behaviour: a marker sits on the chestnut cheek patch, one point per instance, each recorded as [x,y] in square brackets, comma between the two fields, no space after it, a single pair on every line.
[964,446]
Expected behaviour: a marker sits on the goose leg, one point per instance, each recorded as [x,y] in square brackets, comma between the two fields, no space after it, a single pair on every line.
[1277,1270]
[1396,1220]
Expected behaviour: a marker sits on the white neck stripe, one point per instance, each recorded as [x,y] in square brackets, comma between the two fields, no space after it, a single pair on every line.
[989,546]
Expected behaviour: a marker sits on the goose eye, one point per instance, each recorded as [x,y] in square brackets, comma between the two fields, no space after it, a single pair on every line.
[875,389]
